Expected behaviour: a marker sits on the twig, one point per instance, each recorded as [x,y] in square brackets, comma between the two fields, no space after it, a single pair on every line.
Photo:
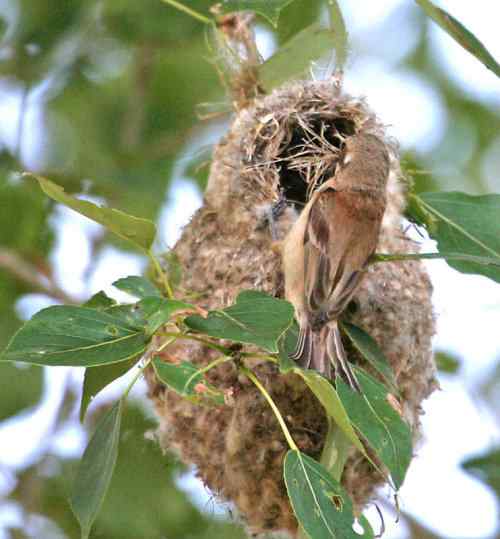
[249,374]
[188,11]
[482,260]
[26,272]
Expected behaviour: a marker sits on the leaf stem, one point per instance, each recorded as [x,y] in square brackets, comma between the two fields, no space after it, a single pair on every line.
[143,368]
[136,377]
[273,406]
[188,10]
[209,344]
[167,343]
[203,370]
[264,357]
[161,275]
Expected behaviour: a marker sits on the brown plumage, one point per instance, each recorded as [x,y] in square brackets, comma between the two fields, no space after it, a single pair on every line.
[327,249]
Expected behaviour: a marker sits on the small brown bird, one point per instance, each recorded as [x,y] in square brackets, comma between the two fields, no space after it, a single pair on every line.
[327,249]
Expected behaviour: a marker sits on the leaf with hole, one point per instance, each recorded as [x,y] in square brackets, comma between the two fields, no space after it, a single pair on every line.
[294,58]
[460,34]
[255,318]
[463,224]
[269,9]
[96,469]
[79,337]
[97,378]
[138,287]
[373,414]
[138,231]
[369,349]
[321,505]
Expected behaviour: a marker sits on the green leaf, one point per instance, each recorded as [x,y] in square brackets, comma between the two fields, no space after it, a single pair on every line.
[140,232]
[183,379]
[83,337]
[321,505]
[486,468]
[293,59]
[447,363]
[97,378]
[460,34]
[463,224]
[367,346]
[255,318]
[96,469]
[335,451]
[334,408]
[270,9]
[99,301]
[138,287]
[21,388]
[79,336]
[328,397]
[286,347]
[379,423]
[159,311]
[322,389]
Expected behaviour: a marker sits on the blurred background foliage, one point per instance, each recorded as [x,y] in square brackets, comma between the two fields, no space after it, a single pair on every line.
[102,97]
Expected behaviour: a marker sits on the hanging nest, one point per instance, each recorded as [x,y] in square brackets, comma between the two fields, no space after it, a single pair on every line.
[275,150]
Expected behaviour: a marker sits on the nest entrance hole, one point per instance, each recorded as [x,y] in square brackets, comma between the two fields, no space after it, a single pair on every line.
[310,155]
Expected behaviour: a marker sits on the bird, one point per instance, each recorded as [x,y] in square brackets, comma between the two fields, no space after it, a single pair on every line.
[327,250]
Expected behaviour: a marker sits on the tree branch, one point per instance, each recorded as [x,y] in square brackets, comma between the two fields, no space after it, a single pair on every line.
[11,262]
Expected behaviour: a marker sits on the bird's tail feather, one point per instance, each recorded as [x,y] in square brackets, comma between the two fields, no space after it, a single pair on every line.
[323,351]
[304,350]
[338,357]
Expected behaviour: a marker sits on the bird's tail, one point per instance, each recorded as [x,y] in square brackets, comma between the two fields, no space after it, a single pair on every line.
[324,352]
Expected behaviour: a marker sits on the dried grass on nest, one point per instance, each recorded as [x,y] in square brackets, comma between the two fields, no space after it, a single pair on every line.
[238,448]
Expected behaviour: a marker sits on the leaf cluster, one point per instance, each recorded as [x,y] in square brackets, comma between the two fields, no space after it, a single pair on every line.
[110,339]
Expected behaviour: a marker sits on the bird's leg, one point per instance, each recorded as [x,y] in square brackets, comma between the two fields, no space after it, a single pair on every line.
[274,212]
[270,216]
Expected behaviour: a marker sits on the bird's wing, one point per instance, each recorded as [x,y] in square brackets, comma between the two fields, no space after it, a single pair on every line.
[338,234]
[320,267]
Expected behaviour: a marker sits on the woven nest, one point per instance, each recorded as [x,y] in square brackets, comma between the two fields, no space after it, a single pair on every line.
[277,148]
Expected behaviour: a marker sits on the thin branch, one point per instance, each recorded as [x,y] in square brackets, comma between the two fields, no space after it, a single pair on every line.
[249,374]
[22,270]
[396,257]
[188,11]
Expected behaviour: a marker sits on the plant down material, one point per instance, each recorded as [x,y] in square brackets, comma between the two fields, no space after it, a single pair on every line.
[275,150]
